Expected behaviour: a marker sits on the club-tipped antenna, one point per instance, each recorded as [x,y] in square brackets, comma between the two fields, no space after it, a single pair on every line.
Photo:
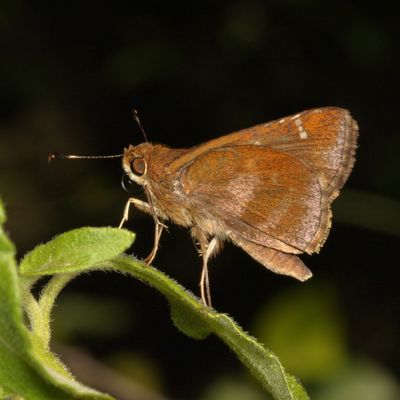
[55,156]
[135,115]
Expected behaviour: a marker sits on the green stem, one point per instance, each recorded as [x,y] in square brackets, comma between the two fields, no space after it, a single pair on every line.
[46,302]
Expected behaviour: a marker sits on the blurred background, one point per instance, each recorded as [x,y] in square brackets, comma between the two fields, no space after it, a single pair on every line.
[70,74]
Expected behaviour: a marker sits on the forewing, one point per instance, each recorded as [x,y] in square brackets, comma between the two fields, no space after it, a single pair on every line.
[323,139]
[265,196]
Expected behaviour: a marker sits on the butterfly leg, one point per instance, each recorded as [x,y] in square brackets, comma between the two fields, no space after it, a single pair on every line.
[158,225]
[158,228]
[142,205]
[206,249]
[204,281]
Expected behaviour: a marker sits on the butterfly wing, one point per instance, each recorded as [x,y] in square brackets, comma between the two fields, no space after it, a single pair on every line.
[263,195]
[323,139]
[275,260]
[269,188]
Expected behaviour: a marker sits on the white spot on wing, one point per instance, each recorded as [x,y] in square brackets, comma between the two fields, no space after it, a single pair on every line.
[303,134]
[302,131]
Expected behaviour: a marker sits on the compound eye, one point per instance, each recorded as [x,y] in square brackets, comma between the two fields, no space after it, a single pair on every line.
[138,166]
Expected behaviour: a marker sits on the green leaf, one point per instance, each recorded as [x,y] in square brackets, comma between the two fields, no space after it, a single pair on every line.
[76,250]
[84,248]
[21,372]
[198,321]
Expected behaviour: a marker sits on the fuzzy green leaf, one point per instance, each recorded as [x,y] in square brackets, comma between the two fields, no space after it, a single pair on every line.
[21,372]
[198,321]
[85,248]
[76,250]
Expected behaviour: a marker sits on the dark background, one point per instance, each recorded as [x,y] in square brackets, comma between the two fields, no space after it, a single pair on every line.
[70,73]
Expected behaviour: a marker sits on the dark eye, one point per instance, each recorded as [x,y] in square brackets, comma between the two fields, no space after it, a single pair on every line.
[138,166]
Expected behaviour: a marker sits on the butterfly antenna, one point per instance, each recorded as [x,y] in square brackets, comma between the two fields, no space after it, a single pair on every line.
[135,115]
[55,156]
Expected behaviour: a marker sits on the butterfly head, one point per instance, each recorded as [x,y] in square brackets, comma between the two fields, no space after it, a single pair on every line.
[135,162]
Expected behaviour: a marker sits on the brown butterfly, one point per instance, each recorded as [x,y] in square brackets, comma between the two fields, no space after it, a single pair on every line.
[267,189]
